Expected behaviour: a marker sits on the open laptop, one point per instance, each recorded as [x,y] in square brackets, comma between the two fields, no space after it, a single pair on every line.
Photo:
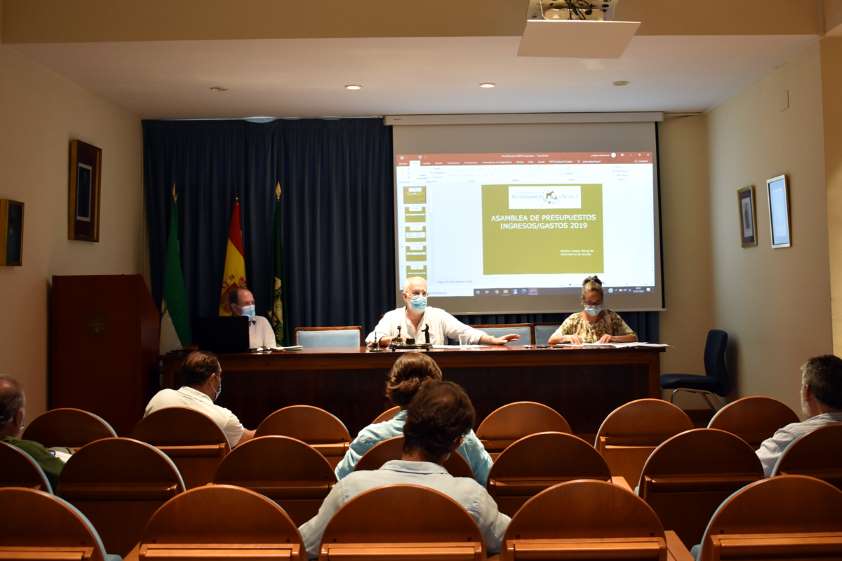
[223,334]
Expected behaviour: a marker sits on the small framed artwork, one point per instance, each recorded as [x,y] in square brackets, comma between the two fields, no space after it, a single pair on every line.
[748,229]
[83,199]
[779,226]
[11,233]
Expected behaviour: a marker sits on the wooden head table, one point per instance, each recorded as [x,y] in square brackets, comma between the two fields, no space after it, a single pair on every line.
[584,385]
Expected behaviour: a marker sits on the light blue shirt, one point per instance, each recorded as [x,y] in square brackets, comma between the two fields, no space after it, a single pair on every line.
[772,448]
[471,448]
[465,491]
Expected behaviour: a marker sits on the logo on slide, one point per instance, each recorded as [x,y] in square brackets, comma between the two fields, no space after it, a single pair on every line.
[524,197]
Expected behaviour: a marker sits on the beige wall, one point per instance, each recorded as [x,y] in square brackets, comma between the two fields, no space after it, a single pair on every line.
[775,304]
[40,112]
[832,86]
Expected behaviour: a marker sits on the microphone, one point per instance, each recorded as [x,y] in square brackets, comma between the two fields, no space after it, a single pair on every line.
[426,331]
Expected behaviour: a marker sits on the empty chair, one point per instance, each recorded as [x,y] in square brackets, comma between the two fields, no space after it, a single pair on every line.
[286,470]
[543,332]
[690,474]
[344,336]
[318,428]
[118,483]
[515,420]
[791,517]
[753,418]
[387,414]
[219,522]
[538,461]
[392,449]
[67,428]
[523,330]
[38,525]
[402,522]
[18,469]
[194,442]
[594,519]
[817,453]
[715,383]
[632,431]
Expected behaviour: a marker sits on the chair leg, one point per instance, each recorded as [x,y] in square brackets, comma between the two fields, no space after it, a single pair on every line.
[672,395]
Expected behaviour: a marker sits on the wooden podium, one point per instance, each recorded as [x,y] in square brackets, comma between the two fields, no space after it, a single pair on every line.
[104,336]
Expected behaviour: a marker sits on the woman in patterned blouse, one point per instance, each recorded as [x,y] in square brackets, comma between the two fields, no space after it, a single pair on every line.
[594,324]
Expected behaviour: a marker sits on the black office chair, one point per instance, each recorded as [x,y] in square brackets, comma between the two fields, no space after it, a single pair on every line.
[715,383]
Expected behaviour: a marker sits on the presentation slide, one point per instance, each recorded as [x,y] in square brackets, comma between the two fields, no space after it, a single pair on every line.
[506,232]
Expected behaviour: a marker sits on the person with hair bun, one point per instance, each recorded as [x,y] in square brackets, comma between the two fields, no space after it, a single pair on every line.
[407,375]
[594,324]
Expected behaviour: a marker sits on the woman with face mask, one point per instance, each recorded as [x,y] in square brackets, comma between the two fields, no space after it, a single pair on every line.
[594,324]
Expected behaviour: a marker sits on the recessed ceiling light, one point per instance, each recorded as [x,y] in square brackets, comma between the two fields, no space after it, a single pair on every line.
[218,89]
[353,87]
[487,85]
[621,83]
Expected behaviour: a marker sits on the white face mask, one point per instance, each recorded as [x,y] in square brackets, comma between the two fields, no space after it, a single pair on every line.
[248,311]
[593,311]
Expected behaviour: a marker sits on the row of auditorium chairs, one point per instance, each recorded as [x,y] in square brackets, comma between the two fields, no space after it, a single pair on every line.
[351,336]
[788,517]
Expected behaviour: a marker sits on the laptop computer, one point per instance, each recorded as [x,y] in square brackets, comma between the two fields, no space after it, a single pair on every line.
[223,334]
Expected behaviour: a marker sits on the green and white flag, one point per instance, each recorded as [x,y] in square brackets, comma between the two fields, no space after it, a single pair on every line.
[175,317]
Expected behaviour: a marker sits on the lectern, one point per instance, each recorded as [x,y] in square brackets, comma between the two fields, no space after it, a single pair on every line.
[104,336]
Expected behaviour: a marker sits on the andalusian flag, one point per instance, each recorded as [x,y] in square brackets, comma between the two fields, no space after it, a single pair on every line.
[174,313]
[235,263]
[276,314]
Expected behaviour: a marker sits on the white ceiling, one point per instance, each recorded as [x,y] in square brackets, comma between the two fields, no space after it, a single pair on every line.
[305,77]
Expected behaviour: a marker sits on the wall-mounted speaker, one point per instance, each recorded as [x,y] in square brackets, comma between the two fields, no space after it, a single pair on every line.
[11,232]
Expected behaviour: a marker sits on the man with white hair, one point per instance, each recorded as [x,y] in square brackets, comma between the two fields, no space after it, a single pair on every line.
[416,318]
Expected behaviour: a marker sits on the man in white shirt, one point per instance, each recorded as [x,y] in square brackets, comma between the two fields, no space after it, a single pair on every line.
[821,401]
[437,419]
[202,377]
[260,330]
[416,317]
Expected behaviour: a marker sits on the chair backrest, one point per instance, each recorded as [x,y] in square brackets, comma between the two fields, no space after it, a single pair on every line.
[817,454]
[18,469]
[194,442]
[632,431]
[392,449]
[402,522]
[716,345]
[543,332]
[218,522]
[605,520]
[344,336]
[315,426]
[387,414]
[118,483]
[791,517]
[288,471]
[525,330]
[690,474]
[754,418]
[515,420]
[67,428]
[538,461]
[38,525]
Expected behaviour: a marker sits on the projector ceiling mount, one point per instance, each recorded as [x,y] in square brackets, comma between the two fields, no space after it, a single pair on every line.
[571,10]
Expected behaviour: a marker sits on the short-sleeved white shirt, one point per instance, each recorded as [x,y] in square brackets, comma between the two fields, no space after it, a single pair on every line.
[261,333]
[442,326]
[191,398]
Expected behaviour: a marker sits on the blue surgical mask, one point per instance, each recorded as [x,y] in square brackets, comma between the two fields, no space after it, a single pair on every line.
[593,310]
[418,303]
[247,311]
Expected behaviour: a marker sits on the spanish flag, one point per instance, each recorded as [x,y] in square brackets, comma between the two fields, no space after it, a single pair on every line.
[235,263]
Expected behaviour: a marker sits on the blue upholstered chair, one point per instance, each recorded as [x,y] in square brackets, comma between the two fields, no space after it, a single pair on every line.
[543,332]
[715,382]
[345,336]
[500,329]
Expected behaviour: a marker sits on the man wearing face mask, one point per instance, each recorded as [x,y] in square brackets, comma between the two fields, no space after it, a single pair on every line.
[416,315]
[594,324]
[202,377]
[260,331]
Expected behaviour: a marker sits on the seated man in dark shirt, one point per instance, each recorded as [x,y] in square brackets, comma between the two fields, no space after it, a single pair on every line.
[12,413]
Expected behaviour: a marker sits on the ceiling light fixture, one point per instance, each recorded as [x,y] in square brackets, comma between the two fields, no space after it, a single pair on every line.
[353,87]
[621,83]
[218,89]
[487,85]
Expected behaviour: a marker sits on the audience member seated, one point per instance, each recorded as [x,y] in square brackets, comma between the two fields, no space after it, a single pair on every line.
[406,376]
[202,376]
[437,419]
[821,401]
[12,413]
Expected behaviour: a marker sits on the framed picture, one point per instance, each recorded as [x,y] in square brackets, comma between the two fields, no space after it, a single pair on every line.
[11,233]
[776,189]
[748,227]
[83,199]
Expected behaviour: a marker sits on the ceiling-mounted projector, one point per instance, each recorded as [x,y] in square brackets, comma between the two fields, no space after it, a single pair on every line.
[575,29]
